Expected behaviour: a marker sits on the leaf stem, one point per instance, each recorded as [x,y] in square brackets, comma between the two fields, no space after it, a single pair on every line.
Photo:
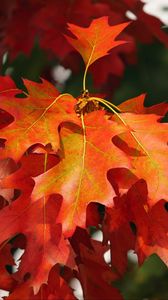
[86,69]
[107,104]
[84,78]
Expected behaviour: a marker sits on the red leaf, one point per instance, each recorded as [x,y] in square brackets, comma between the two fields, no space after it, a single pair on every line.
[37,220]
[117,230]
[90,260]
[7,166]
[151,223]
[7,282]
[56,288]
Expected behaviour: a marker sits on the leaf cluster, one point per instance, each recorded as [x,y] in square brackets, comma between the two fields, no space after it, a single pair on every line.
[69,165]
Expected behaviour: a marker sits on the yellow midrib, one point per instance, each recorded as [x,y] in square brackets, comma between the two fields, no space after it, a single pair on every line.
[44,112]
[82,171]
[93,46]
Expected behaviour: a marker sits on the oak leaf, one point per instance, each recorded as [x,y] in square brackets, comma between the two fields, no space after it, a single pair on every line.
[97,285]
[133,225]
[7,166]
[151,222]
[136,105]
[81,176]
[37,220]
[146,144]
[7,282]
[90,259]
[36,117]
[56,288]
[117,230]
[95,41]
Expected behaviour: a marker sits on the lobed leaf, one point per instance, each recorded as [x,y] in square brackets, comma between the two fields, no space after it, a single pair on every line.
[95,41]
[36,117]
[146,143]
[81,176]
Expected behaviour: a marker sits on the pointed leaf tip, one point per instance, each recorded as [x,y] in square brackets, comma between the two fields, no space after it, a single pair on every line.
[96,40]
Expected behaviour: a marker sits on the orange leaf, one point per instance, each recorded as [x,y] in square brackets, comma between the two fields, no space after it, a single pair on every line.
[81,176]
[136,105]
[148,151]
[95,41]
[36,117]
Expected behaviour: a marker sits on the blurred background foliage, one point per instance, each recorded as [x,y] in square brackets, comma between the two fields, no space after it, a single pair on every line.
[149,75]
[149,281]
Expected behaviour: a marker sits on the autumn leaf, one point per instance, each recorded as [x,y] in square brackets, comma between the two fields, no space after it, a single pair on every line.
[90,260]
[7,166]
[21,291]
[151,223]
[117,230]
[36,118]
[7,282]
[37,220]
[136,105]
[96,285]
[46,241]
[56,288]
[38,163]
[81,175]
[21,179]
[146,144]
[95,41]
[7,84]
[63,166]
[133,225]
